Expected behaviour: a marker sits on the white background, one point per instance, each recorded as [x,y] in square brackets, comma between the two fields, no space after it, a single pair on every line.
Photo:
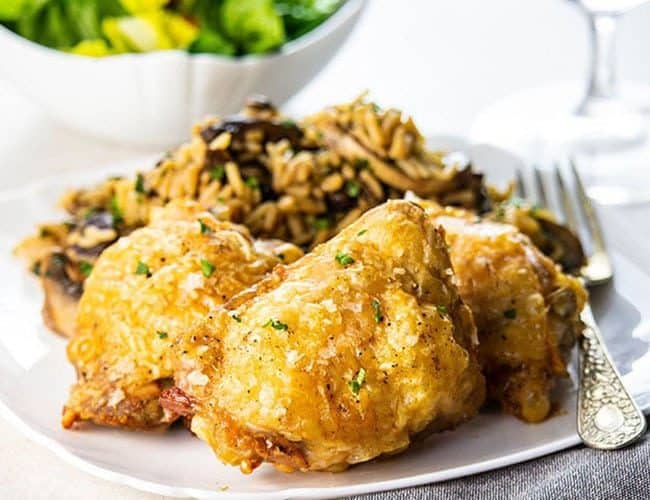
[442,61]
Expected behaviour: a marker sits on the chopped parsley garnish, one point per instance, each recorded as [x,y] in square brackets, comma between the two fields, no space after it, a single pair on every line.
[500,214]
[220,199]
[534,210]
[252,182]
[352,189]
[358,380]
[362,232]
[516,202]
[442,309]
[322,223]
[375,107]
[85,267]
[276,324]
[139,184]
[162,335]
[217,172]
[90,212]
[36,268]
[379,317]
[510,313]
[287,123]
[207,268]
[360,163]
[205,229]
[236,318]
[116,211]
[344,259]
[143,269]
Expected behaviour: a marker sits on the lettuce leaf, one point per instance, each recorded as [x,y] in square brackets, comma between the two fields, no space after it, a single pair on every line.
[210,41]
[231,27]
[148,31]
[302,16]
[92,48]
[253,25]
[10,10]
[139,6]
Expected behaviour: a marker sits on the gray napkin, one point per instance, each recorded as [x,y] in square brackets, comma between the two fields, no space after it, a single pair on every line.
[577,473]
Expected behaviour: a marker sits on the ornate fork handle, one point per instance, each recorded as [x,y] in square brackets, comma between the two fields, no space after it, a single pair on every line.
[608,417]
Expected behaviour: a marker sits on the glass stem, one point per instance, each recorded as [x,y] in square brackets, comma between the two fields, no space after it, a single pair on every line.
[602,78]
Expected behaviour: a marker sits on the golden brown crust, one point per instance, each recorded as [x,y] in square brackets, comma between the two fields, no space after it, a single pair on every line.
[526,310]
[340,357]
[143,292]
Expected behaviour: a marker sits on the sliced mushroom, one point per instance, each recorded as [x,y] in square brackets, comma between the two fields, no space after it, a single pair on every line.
[562,245]
[349,148]
[62,295]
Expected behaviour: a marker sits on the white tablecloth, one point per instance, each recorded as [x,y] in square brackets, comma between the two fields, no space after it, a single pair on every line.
[441,61]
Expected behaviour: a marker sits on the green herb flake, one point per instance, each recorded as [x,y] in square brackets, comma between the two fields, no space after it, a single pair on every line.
[162,335]
[352,188]
[516,202]
[500,214]
[344,259]
[205,229]
[534,210]
[217,172]
[322,223]
[221,199]
[442,309]
[89,213]
[362,232]
[116,211]
[276,324]
[252,182]
[510,313]
[358,380]
[288,123]
[85,267]
[376,305]
[139,184]
[236,318]
[142,269]
[36,268]
[207,268]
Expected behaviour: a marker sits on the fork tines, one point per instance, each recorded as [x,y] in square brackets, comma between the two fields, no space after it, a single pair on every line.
[550,185]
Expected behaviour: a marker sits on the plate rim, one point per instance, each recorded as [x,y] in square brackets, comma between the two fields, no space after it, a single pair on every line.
[125,479]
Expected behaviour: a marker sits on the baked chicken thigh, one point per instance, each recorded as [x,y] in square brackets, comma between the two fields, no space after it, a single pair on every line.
[345,355]
[526,310]
[145,290]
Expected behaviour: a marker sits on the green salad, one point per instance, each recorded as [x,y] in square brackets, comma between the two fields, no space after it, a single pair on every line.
[107,27]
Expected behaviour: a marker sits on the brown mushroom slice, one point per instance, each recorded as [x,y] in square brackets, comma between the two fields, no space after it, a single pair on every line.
[349,148]
[563,246]
[62,294]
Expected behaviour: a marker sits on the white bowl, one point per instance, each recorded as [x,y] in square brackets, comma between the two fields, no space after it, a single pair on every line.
[152,99]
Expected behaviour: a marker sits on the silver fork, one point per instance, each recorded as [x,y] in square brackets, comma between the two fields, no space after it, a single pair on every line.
[607,416]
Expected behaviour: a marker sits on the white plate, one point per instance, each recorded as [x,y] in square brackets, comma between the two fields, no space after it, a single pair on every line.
[35,376]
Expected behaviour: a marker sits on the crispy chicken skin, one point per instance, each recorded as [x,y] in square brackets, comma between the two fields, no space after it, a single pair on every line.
[526,310]
[144,291]
[343,356]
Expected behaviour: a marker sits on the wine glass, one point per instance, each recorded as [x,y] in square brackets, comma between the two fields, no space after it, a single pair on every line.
[606,128]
